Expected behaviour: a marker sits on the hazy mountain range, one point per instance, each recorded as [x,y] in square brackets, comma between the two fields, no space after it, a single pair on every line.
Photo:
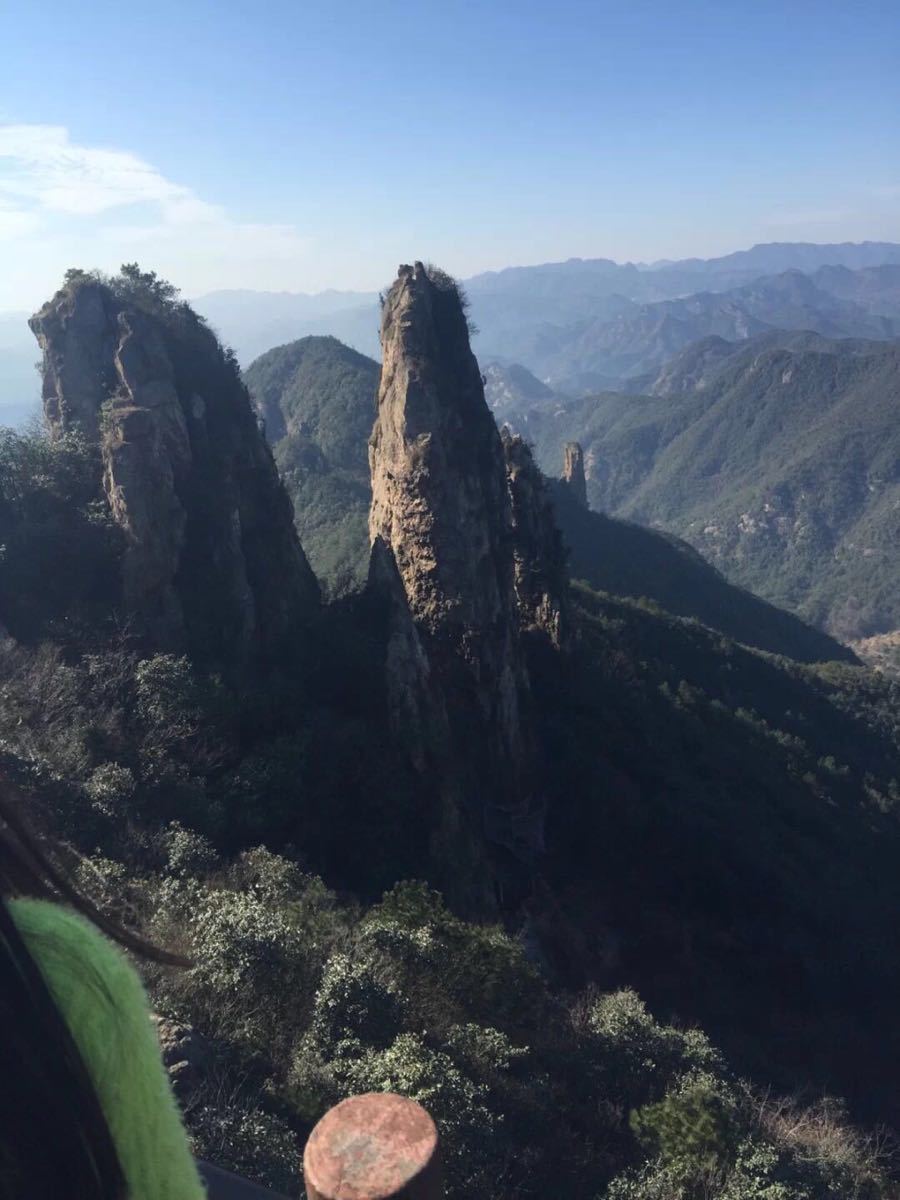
[20,386]
[584,324]
[640,338]
[594,321]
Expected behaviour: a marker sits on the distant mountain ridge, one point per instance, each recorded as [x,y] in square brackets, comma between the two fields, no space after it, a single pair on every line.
[580,322]
[765,258]
[607,352]
[20,385]
[779,459]
[583,323]
[585,287]
[875,287]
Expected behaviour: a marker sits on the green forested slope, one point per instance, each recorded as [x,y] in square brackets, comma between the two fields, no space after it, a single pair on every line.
[743,839]
[317,398]
[626,559]
[721,839]
[783,469]
[722,835]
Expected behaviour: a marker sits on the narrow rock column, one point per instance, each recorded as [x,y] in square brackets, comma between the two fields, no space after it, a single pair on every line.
[439,496]
[442,510]
[573,472]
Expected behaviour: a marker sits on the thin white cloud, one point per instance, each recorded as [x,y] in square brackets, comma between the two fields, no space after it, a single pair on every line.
[62,202]
[40,166]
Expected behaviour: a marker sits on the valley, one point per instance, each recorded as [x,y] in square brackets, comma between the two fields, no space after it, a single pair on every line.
[437,745]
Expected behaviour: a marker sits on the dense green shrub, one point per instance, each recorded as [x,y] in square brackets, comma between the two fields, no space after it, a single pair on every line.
[357,1004]
[59,547]
[188,853]
[638,1057]
[246,1139]
[692,1130]
[243,951]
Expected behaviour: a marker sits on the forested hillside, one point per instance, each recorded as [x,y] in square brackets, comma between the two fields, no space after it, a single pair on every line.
[629,560]
[641,827]
[778,462]
[317,400]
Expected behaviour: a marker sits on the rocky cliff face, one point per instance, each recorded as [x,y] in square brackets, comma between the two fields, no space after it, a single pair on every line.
[539,557]
[460,531]
[573,472]
[439,496]
[77,334]
[213,566]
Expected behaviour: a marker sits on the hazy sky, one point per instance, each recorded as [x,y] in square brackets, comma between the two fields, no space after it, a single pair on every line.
[304,144]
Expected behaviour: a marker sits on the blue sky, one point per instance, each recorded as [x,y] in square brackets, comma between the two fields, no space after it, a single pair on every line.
[305,145]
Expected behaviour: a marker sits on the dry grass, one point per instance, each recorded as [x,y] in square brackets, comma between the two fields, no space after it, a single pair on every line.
[823,1134]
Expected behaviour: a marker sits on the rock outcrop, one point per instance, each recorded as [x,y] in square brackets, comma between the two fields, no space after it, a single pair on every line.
[458,530]
[539,556]
[573,472]
[77,334]
[439,497]
[212,565]
[417,705]
[186,1054]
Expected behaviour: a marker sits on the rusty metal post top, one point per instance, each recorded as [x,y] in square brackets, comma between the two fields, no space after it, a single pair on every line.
[373,1147]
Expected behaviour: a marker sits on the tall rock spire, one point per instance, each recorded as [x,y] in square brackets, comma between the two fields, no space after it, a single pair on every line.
[442,507]
[439,497]
[573,472]
[212,565]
